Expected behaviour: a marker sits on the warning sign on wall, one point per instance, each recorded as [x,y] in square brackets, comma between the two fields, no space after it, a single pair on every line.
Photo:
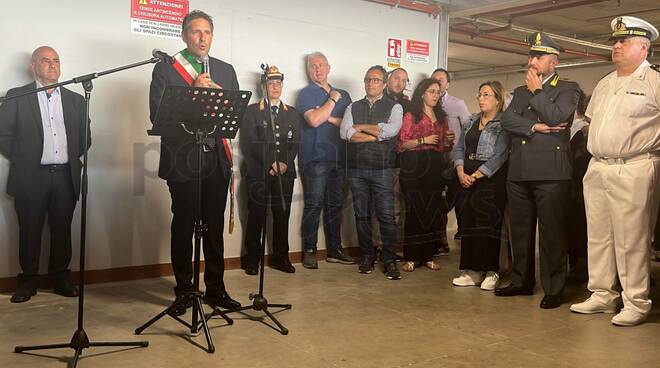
[417,51]
[159,18]
[394,46]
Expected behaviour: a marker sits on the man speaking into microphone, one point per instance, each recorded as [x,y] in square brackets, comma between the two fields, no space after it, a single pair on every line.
[178,163]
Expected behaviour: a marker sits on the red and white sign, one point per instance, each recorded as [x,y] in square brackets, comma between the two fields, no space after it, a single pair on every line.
[417,51]
[158,18]
[394,46]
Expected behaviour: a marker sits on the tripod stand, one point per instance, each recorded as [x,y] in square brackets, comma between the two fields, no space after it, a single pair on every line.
[201,125]
[259,301]
[80,341]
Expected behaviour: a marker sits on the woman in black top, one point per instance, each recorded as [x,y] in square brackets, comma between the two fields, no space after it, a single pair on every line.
[480,155]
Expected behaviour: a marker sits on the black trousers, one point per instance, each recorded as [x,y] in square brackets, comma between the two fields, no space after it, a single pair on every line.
[261,195]
[184,209]
[545,200]
[480,210]
[53,196]
[425,221]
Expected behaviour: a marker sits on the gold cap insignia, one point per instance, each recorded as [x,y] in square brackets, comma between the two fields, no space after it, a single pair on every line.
[619,26]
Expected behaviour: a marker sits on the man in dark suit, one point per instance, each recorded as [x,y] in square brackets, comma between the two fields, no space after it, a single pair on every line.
[42,136]
[540,172]
[263,151]
[179,162]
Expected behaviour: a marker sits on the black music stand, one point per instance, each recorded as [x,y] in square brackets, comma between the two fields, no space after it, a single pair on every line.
[207,114]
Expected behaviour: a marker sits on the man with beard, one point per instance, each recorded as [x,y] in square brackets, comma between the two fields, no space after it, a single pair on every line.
[540,171]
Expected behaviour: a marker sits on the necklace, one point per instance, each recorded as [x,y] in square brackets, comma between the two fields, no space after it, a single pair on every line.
[483,122]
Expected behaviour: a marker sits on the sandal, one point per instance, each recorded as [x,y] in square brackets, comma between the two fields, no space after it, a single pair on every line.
[408,266]
[432,265]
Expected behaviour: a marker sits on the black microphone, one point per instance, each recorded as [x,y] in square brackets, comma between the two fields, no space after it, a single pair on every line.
[206,68]
[264,69]
[162,56]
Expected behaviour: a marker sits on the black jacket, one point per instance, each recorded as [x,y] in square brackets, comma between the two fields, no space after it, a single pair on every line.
[22,137]
[258,145]
[178,151]
[539,156]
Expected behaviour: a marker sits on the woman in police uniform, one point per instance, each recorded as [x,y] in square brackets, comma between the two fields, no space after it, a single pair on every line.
[264,146]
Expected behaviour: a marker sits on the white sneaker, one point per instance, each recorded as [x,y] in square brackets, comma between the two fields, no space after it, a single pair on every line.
[591,306]
[490,282]
[628,317]
[468,278]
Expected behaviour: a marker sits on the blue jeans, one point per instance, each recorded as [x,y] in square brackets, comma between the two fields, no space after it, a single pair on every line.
[322,190]
[366,183]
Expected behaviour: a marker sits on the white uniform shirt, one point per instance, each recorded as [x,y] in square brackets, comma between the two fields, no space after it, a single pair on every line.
[625,114]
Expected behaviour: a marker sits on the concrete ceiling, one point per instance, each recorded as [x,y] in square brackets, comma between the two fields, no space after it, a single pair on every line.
[487,35]
[477,45]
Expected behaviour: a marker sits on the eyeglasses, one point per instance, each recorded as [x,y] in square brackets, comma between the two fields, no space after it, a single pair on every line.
[433,91]
[373,80]
[276,83]
[484,95]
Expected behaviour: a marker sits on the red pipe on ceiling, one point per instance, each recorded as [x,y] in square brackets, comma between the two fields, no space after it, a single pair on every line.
[494,48]
[411,5]
[538,8]
[512,41]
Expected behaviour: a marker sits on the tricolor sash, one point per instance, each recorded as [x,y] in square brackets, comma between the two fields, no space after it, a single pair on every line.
[189,68]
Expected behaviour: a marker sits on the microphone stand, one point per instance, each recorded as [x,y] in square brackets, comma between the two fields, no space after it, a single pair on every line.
[259,302]
[80,341]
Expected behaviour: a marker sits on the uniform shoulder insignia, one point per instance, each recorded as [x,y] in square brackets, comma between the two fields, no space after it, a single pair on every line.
[656,67]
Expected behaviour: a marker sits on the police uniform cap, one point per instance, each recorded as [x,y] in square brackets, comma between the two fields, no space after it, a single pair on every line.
[272,73]
[542,44]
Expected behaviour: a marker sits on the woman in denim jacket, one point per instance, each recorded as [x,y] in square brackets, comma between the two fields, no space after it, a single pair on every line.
[479,156]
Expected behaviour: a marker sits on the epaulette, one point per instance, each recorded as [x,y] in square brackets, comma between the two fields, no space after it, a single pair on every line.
[656,67]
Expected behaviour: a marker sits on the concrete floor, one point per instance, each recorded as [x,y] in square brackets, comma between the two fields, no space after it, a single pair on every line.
[339,319]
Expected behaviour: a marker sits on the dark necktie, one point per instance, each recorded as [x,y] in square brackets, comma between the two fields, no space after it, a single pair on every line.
[274,110]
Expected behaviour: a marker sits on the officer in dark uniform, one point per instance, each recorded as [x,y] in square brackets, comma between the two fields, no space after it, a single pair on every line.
[538,120]
[262,151]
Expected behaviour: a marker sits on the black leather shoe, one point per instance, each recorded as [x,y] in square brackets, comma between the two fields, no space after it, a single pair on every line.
[513,291]
[65,288]
[551,301]
[223,301]
[182,307]
[23,293]
[252,268]
[284,266]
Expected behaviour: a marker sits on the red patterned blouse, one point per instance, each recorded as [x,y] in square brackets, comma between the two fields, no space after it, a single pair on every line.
[423,128]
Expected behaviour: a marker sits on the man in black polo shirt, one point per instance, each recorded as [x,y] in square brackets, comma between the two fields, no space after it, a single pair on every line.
[371,126]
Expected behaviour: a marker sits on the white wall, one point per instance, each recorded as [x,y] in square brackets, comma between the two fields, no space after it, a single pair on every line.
[586,77]
[129,207]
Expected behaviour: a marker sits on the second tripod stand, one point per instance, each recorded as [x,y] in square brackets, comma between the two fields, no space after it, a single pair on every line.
[259,301]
